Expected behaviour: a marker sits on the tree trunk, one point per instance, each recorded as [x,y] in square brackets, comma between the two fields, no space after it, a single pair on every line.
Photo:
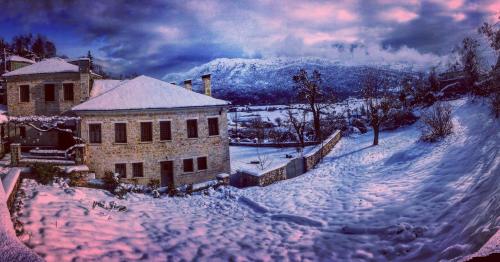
[375,135]
[317,126]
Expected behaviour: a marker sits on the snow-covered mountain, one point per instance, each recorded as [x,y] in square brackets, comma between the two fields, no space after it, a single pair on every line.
[270,80]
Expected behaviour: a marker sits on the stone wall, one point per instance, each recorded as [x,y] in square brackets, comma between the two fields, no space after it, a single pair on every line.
[321,150]
[103,157]
[264,178]
[37,104]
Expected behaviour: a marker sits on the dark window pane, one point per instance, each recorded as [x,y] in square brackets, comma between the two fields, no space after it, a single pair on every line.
[188,165]
[165,130]
[146,132]
[24,91]
[213,126]
[50,93]
[68,92]
[22,132]
[121,169]
[192,128]
[137,170]
[95,133]
[120,133]
[202,163]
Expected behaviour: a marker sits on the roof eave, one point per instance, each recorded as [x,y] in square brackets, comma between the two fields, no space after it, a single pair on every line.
[139,110]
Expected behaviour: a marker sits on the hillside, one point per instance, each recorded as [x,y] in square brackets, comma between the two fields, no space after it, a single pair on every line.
[402,200]
[261,81]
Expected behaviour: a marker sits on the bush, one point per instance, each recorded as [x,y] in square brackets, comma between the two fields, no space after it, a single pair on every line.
[357,123]
[397,118]
[154,183]
[437,122]
[45,173]
[77,179]
[111,181]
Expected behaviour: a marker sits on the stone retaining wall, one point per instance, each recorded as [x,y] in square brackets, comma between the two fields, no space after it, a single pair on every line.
[267,177]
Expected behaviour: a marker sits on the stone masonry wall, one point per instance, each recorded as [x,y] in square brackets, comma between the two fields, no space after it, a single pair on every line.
[103,157]
[37,104]
[314,157]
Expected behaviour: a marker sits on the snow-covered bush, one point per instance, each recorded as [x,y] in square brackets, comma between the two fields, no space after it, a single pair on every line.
[397,118]
[111,181]
[154,183]
[437,122]
[45,173]
[360,125]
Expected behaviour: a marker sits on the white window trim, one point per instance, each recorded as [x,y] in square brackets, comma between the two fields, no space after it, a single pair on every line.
[171,128]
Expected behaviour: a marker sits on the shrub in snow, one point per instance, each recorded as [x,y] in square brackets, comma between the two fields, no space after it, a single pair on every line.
[154,183]
[111,181]
[360,125]
[437,122]
[45,173]
[397,118]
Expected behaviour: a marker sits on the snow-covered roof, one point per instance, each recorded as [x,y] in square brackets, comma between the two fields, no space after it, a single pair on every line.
[102,86]
[51,65]
[17,58]
[144,92]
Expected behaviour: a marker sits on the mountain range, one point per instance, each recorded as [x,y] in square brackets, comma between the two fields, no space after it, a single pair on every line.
[269,81]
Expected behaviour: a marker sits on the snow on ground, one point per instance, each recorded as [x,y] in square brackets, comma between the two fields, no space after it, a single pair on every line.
[401,200]
[242,156]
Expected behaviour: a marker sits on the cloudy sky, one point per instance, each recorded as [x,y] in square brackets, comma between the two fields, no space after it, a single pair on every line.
[156,37]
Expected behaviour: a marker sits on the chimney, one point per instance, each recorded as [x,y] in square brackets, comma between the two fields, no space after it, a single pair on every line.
[188,84]
[84,68]
[206,85]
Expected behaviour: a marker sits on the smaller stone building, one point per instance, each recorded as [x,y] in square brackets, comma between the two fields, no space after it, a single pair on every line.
[49,87]
[146,129]
[11,63]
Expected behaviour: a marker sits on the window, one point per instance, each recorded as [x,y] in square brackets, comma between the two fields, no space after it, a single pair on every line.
[95,133]
[165,130]
[137,170]
[146,132]
[121,169]
[68,92]
[188,165]
[120,133]
[50,94]
[213,126]
[22,132]
[192,128]
[202,163]
[24,93]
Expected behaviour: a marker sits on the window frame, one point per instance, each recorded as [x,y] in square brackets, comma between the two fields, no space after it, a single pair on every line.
[65,85]
[126,135]
[187,128]
[141,134]
[218,125]
[45,86]
[125,169]
[90,136]
[134,169]
[184,165]
[21,93]
[170,129]
[198,163]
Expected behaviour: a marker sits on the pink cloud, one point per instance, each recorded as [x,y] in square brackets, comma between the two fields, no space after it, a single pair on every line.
[398,14]
[313,12]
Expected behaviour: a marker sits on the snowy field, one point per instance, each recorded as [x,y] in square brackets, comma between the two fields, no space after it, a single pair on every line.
[242,156]
[402,200]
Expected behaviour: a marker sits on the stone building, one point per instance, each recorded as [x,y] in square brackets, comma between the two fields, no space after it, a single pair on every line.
[145,128]
[11,63]
[49,87]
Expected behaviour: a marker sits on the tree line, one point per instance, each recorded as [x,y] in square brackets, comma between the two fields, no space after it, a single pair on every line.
[36,47]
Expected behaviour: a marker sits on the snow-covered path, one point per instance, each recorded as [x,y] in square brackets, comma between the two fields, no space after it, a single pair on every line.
[401,200]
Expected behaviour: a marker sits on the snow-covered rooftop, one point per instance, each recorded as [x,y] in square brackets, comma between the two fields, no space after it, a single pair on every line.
[51,65]
[17,58]
[144,92]
[104,85]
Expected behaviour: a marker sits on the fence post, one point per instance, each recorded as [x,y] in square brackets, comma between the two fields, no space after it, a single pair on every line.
[15,154]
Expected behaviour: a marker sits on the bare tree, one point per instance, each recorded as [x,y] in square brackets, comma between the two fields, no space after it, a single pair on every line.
[298,122]
[264,160]
[492,33]
[470,62]
[437,122]
[377,100]
[259,128]
[310,89]
[236,119]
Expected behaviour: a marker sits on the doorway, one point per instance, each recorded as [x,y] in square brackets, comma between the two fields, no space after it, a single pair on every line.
[167,174]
